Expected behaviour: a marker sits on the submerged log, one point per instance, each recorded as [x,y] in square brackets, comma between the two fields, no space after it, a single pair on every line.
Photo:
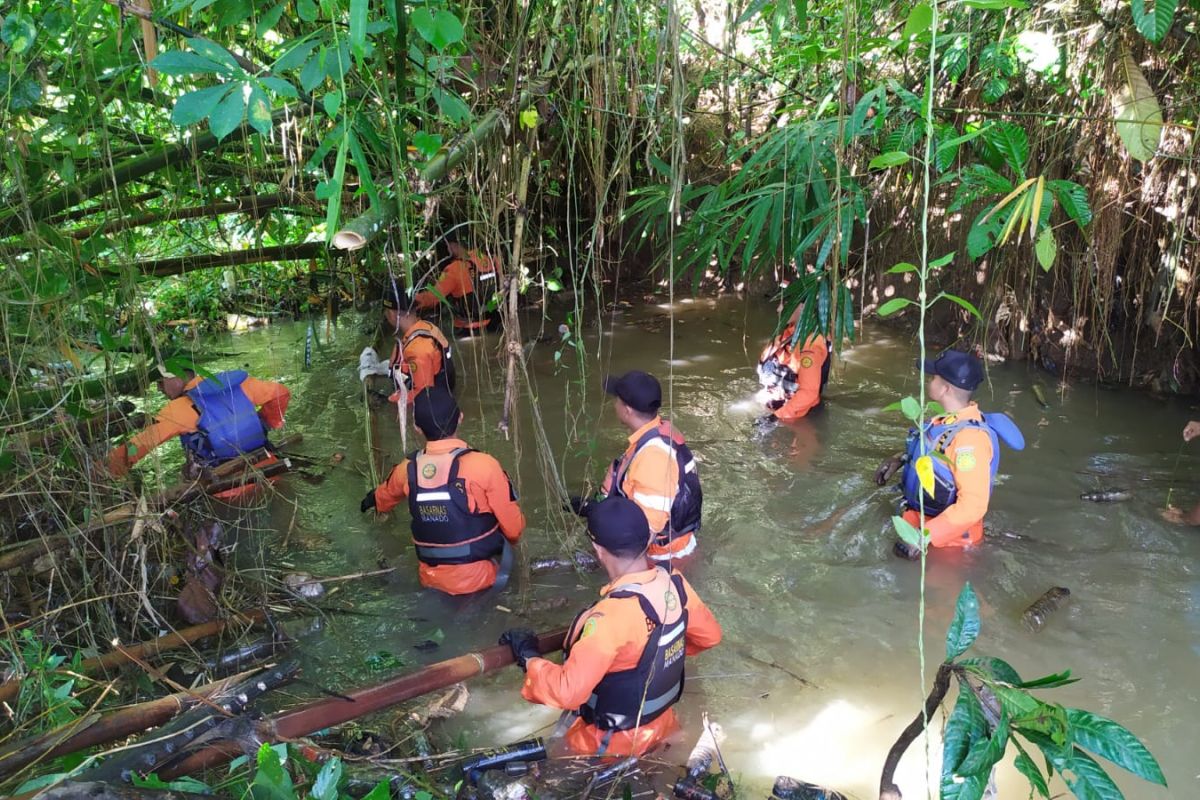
[326,713]
[250,459]
[98,790]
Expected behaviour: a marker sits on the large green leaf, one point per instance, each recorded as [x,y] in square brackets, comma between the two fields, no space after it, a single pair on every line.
[982,235]
[440,29]
[271,780]
[992,668]
[986,753]
[1026,767]
[920,18]
[1073,199]
[196,106]
[1088,780]
[1155,22]
[1011,142]
[228,114]
[214,52]
[964,628]
[258,111]
[1113,741]
[325,787]
[1046,248]
[358,25]
[1136,111]
[965,727]
[181,62]
[18,32]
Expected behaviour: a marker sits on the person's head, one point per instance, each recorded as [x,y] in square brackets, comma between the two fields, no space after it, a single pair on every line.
[637,396]
[436,413]
[173,385]
[399,313]
[458,251]
[956,376]
[620,535]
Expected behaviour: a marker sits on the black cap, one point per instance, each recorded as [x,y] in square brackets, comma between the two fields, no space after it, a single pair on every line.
[396,300]
[435,412]
[618,525]
[639,390]
[956,368]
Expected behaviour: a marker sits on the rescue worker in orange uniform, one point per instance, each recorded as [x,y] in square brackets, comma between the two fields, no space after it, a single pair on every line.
[216,419]
[623,666]
[464,509]
[793,375]
[1176,515]
[965,456]
[468,285]
[657,471]
[422,356]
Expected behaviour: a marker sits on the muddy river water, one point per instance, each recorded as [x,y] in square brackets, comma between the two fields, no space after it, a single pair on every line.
[818,672]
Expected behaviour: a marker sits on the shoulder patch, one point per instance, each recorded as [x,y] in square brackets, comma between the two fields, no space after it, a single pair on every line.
[806,362]
[589,627]
[964,459]
[429,470]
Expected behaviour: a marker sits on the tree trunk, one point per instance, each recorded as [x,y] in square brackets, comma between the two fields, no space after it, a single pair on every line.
[254,205]
[162,267]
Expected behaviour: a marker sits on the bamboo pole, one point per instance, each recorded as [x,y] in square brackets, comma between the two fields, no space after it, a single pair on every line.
[334,711]
[254,205]
[162,267]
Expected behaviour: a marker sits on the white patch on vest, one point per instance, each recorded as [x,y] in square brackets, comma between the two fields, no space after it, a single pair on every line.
[432,496]
[652,501]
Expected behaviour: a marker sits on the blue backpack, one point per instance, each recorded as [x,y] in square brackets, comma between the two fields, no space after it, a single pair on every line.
[229,424]
[999,427]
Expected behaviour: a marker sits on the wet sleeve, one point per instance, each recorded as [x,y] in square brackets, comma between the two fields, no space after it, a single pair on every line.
[498,496]
[270,397]
[177,417]
[446,286]
[970,458]
[569,685]
[394,489]
[651,482]
[703,630]
[421,362]
[808,364]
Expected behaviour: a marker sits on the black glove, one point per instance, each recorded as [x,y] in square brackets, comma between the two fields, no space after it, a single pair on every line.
[368,502]
[775,405]
[887,469]
[906,550]
[523,643]
[578,505]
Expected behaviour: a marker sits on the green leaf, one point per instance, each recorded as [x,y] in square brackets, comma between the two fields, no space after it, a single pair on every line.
[1074,200]
[22,94]
[893,305]
[441,29]
[1049,681]
[427,144]
[1113,741]
[313,72]
[184,784]
[358,26]
[992,668]
[279,86]
[1046,248]
[892,159]
[196,106]
[919,21]
[306,10]
[942,261]
[964,628]
[1087,779]
[295,55]
[269,20]
[1026,767]
[333,208]
[1136,111]
[907,533]
[964,728]
[911,408]
[903,266]
[450,104]
[983,234]
[18,32]
[229,113]
[967,304]
[332,101]
[325,787]
[1012,143]
[214,52]
[181,62]
[1046,719]
[383,791]
[258,111]
[1155,23]
[986,753]
[271,780]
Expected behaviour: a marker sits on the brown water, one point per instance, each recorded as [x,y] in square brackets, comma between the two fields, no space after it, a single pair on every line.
[795,551]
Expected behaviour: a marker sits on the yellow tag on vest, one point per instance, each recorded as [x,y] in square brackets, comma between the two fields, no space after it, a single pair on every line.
[924,468]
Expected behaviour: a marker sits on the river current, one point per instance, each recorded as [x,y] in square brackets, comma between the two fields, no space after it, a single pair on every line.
[818,672]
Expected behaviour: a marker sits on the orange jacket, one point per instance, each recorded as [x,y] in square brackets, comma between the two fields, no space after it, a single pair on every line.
[488,490]
[179,417]
[807,362]
[610,637]
[419,357]
[458,282]
[970,455]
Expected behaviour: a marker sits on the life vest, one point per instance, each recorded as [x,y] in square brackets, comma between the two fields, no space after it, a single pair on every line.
[774,372]
[444,529]
[446,378]
[937,438]
[484,285]
[229,424]
[685,508]
[628,698]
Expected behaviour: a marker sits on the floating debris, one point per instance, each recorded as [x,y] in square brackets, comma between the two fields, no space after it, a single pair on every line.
[578,560]
[1110,495]
[304,585]
[1040,396]
[791,789]
[1036,615]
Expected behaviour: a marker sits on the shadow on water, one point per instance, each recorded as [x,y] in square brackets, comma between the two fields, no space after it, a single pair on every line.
[795,550]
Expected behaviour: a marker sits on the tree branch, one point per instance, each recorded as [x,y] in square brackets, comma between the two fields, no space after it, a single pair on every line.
[941,684]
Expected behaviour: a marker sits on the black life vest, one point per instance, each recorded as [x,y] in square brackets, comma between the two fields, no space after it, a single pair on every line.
[229,424]
[446,378]
[628,698]
[685,508]
[444,528]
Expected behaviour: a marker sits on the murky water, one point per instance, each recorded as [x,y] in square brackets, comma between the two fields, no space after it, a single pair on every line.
[795,552]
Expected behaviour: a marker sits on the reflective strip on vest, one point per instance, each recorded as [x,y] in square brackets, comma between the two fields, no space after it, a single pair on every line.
[432,496]
[653,501]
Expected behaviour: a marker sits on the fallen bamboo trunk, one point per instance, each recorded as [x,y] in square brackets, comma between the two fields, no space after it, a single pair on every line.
[110,727]
[145,650]
[250,459]
[334,711]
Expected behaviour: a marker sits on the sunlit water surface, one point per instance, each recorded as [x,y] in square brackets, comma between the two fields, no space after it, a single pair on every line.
[795,554]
